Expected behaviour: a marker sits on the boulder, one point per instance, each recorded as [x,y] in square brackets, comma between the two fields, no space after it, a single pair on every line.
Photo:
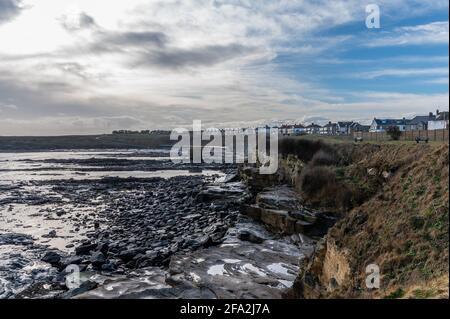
[97,259]
[52,257]
[250,236]
[85,248]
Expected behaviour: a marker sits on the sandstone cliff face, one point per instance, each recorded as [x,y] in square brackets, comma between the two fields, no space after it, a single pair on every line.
[401,227]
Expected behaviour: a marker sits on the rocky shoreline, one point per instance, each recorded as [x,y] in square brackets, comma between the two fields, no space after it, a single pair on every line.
[199,236]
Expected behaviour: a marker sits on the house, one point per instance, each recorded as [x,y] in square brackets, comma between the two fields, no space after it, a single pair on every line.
[286,129]
[343,128]
[381,125]
[420,122]
[298,129]
[328,129]
[313,129]
[440,122]
[356,127]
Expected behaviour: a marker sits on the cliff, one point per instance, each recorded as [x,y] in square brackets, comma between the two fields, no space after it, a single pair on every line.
[392,201]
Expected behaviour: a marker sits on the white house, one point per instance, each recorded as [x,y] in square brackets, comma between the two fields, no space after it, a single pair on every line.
[381,125]
[313,129]
[329,129]
[440,122]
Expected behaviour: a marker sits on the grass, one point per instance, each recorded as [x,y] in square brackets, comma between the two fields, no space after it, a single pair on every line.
[349,140]
[424,293]
[399,293]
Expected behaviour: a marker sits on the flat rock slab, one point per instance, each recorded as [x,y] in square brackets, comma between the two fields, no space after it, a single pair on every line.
[241,269]
[280,198]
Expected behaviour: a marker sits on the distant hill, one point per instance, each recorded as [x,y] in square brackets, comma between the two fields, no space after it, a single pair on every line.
[106,141]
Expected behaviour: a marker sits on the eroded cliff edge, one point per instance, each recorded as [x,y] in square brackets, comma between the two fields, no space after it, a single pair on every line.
[391,201]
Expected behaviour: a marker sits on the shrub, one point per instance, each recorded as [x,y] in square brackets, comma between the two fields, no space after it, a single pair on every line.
[314,178]
[322,158]
[399,293]
[394,132]
[302,148]
[318,186]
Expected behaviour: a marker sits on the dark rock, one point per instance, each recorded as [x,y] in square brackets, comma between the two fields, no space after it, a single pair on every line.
[110,266]
[247,235]
[97,259]
[72,260]
[59,213]
[129,254]
[52,257]
[103,247]
[51,234]
[85,248]
[84,287]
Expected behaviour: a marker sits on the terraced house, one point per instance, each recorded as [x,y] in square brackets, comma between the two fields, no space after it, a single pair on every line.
[381,125]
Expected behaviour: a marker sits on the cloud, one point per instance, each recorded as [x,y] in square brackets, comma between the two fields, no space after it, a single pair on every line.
[134,38]
[7,106]
[77,21]
[9,9]
[403,72]
[432,33]
[65,125]
[173,58]
[443,81]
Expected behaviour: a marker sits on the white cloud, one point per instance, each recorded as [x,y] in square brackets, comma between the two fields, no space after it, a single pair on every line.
[403,73]
[432,33]
[438,81]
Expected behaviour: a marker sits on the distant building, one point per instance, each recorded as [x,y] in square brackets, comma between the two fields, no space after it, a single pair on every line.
[381,125]
[343,127]
[356,127]
[440,121]
[298,129]
[285,129]
[313,129]
[419,122]
[329,129]
[125,132]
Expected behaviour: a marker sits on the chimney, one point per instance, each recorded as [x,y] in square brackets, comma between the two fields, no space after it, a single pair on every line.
[437,112]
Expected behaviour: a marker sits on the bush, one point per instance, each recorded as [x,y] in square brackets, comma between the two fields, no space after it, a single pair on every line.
[318,186]
[313,179]
[302,148]
[394,132]
[322,158]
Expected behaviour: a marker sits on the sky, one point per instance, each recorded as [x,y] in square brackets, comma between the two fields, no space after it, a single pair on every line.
[93,66]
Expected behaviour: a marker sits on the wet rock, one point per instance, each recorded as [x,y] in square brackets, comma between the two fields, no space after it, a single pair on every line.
[248,235]
[51,234]
[60,213]
[129,254]
[52,257]
[85,248]
[16,239]
[72,260]
[103,247]
[279,198]
[97,259]
[109,266]
[84,287]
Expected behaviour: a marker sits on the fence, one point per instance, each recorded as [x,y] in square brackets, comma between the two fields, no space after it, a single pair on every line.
[434,135]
